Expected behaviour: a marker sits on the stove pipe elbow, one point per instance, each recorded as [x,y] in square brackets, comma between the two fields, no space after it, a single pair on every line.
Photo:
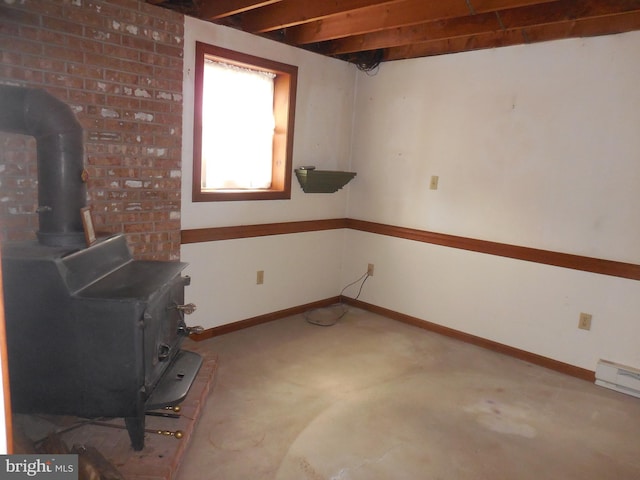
[60,154]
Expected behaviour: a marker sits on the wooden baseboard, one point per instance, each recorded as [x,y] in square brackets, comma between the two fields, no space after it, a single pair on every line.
[533,358]
[269,317]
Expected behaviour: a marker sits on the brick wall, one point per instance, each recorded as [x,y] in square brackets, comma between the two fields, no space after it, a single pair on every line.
[118,64]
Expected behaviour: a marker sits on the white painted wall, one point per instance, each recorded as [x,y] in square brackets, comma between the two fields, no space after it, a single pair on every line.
[526,305]
[534,145]
[298,268]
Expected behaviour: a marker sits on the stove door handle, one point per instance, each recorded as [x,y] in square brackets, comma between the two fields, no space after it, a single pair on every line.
[184,330]
[195,330]
[187,309]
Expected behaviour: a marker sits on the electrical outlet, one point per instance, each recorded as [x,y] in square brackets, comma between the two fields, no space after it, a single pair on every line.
[433,185]
[585,321]
[370,269]
[260,277]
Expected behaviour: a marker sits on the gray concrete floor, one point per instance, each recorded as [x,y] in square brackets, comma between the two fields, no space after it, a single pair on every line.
[370,398]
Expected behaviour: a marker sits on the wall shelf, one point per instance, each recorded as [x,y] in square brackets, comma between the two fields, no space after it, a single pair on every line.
[322,181]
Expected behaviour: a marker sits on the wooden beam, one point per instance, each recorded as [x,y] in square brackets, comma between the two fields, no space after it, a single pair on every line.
[426,32]
[373,19]
[565,11]
[488,25]
[288,13]
[584,27]
[455,45]
[380,17]
[590,27]
[215,9]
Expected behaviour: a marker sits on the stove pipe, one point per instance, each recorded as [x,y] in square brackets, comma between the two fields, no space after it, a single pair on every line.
[59,139]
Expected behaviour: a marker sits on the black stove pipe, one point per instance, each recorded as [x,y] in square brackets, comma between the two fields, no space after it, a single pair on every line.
[59,139]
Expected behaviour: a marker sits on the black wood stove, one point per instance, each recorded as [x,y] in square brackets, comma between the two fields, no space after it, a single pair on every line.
[94,333]
[91,332]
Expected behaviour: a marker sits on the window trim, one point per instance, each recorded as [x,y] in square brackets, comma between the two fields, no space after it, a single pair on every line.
[284,101]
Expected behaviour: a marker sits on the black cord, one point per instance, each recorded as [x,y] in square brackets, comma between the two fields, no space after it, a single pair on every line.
[74,426]
[369,61]
[365,276]
[308,315]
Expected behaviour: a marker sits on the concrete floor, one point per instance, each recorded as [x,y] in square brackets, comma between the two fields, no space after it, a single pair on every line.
[370,398]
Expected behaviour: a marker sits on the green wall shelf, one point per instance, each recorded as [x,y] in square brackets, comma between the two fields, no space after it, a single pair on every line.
[322,181]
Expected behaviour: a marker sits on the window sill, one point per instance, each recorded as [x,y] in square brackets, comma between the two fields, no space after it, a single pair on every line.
[240,195]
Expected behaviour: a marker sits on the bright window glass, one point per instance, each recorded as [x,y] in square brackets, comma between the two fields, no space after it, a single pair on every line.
[237,127]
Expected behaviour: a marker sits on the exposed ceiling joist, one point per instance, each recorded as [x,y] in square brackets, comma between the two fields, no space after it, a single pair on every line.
[539,33]
[359,30]
[384,17]
[289,13]
[208,10]
[560,14]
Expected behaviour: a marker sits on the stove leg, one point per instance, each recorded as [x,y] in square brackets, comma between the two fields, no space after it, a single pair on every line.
[135,427]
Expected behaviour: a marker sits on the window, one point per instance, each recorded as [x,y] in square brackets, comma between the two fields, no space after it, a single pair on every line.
[243,126]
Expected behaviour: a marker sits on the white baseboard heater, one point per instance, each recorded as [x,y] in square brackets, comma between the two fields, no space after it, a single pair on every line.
[618,377]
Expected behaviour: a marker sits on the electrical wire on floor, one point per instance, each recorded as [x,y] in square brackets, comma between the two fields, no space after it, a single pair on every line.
[328,316]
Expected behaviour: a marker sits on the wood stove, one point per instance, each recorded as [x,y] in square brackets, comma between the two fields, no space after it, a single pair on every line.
[95,333]
[91,332]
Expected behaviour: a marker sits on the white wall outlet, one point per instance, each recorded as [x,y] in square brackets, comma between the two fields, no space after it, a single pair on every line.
[259,277]
[433,185]
[370,269]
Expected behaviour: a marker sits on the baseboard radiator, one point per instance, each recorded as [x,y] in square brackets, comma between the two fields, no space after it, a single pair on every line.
[618,377]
